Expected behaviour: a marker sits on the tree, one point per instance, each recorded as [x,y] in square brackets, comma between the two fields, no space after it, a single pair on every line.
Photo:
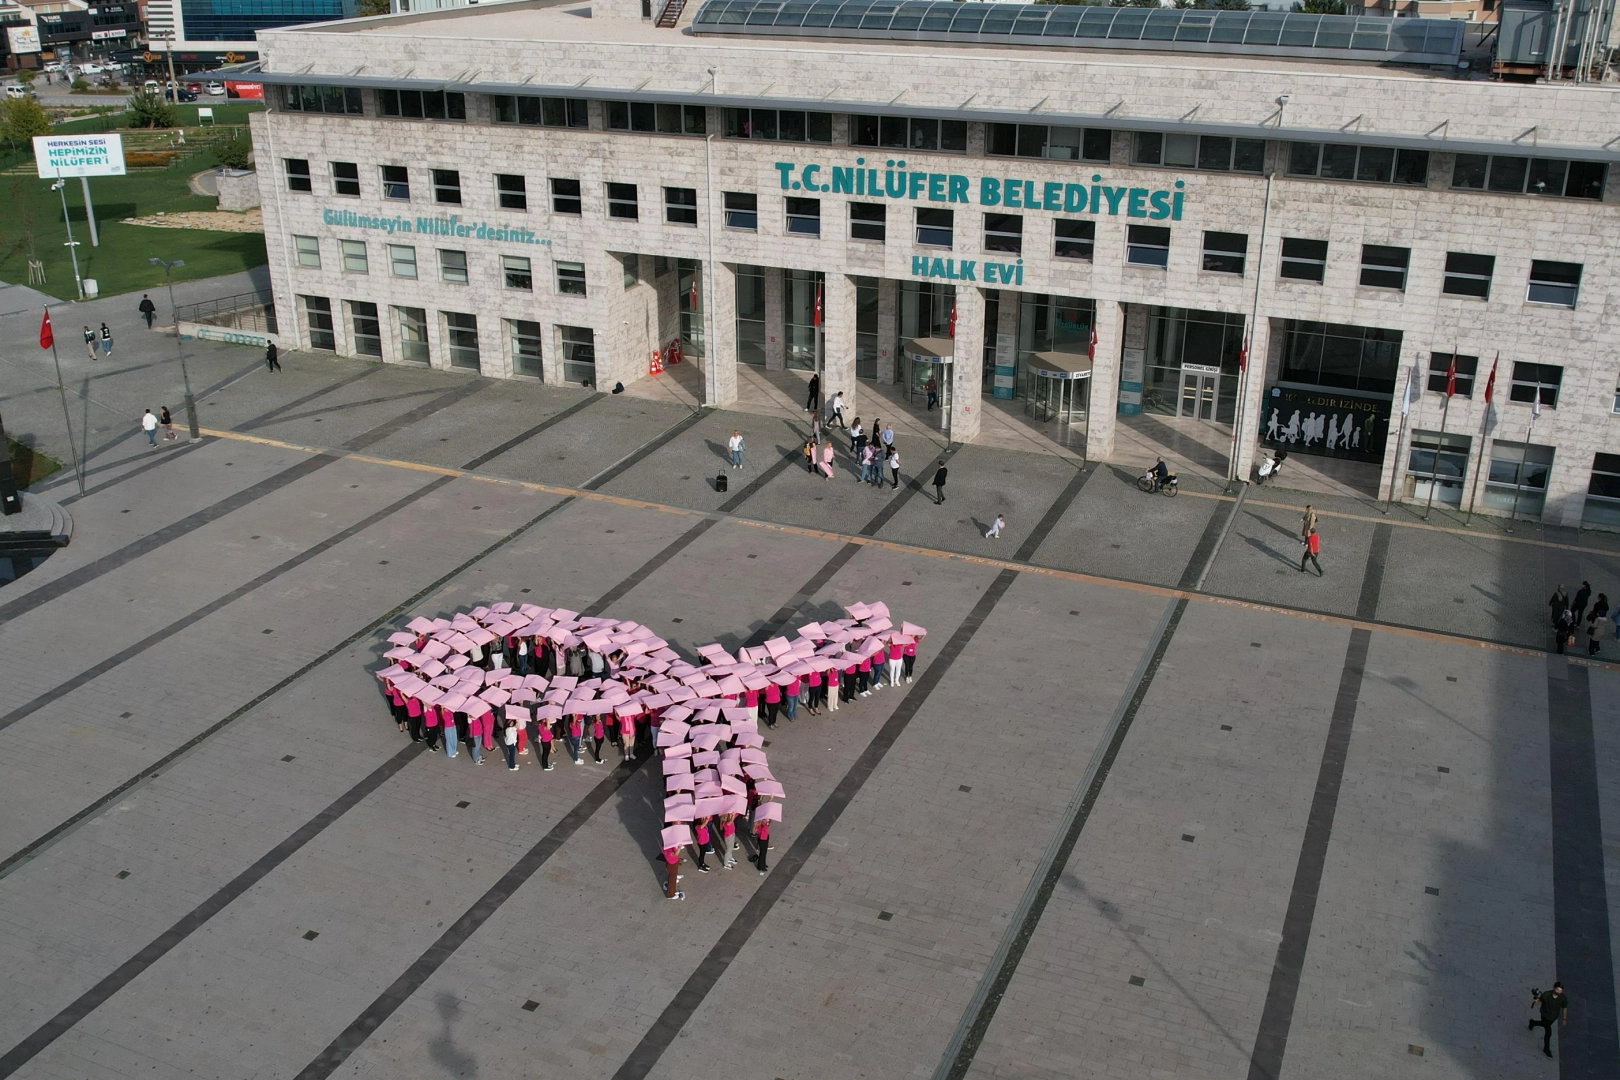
[234,152]
[21,119]
[26,76]
[1319,7]
[148,110]
[374,7]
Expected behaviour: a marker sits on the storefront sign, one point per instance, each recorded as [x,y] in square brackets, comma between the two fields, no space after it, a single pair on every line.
[1324,422]
[1132,366]
[1006,375]
[78,155]
[106,35]
[23,39]
[991,273]
[247,91]
[443,225]
[895,182]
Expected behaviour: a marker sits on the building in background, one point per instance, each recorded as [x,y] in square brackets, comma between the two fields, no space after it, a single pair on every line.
[77,31]
[207,33]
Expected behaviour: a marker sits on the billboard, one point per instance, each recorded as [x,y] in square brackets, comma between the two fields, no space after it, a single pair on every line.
[79,155]
[248,91]
[24,39]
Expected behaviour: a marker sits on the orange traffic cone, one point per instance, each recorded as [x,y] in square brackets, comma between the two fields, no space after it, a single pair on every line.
[657,367]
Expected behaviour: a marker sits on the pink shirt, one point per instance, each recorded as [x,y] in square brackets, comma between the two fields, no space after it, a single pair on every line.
[728,828]
[702,834]
[545,731]
[413,707]
[763,830]
[814,678]
[793,688]
[751,698]
[773,694]
[575,728]
[671,856]
[911,650]
[596,729]
[866,663]
[895,651]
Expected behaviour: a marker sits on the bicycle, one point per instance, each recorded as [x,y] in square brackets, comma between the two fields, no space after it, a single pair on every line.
[1149,483]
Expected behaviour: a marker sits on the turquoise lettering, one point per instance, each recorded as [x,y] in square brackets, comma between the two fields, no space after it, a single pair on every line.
[919,266]
[1052,195]
[1175,212]
[843,180]
[1161,205]
[1113,195]
[958,188]
[1074,198]
[914,184]
[894,183]
[786,169]
[1030,200]
[936,187]
[967,269]
[992,273]
[989,191]
[1013,195]
[1138,203]
[808,176]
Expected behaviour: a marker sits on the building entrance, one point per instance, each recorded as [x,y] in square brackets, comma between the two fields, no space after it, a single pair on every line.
[1200,391]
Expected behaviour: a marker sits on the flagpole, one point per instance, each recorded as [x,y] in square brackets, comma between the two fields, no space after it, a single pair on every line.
[1434,467]
[1400,433]
[73,447]
[1524,457]
[1484,430]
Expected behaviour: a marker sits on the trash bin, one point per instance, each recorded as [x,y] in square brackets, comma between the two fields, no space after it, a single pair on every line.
[92,288]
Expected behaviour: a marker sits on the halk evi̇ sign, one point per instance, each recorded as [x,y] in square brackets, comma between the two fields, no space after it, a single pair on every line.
[78,155]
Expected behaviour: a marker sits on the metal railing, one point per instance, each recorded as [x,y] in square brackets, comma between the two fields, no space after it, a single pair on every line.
[244,311]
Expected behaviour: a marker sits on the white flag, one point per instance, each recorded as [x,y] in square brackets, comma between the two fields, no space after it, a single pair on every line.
[1411,390]
[1535,406]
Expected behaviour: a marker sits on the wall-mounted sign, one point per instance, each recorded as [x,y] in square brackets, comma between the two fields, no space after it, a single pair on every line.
[23,39]
[440,225]
[991,273]
[1006,374]
[1324,423]
[104,35]
[896,182]
[78,155]
[1132,366]
[247,91]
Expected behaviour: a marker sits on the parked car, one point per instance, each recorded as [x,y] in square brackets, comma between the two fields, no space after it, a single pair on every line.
[53,67]
[194,87]
[151,86]
[216,89]
[17,90]
[184,95]
[91,69]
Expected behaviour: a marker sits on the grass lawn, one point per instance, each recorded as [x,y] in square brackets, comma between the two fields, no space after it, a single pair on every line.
[27,466]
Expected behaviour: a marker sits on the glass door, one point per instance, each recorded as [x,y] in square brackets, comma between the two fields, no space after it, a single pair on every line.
[1199,391]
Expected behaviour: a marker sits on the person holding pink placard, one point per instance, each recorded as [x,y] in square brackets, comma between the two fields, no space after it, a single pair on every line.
[672,860]
[773,703]
[896,655]
[509,738]
[543,730]
[812,692]
[762,833]
[700,842]
[597,735]
[909,655]
[790,698]
[413,718]
[728,840]
[576,729]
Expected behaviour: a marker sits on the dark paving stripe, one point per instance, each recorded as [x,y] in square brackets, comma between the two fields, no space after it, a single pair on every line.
[651,566]
[57,692]
[1053,515]
[1589,1047]
[228,380]
[265,417]
[1204,553]
[380,399]
[679,1012]
[817,582]
[71,580]
[901,498]
[517,440]
[794,456]
[1276,1019]
[97,995]
[421,412]
[969,1037]
[1372,579]
[630,460]
[153,461]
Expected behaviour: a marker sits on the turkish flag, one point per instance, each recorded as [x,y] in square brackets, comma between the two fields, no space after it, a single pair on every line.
[1451,377]
[694,293]
[45,338]
[953,317]
[1490,384]
[1243,356]
[816,318]
[1091,347]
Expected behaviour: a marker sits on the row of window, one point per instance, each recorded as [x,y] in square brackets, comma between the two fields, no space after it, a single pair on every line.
[1530,381]
[1210,153]
[517,271]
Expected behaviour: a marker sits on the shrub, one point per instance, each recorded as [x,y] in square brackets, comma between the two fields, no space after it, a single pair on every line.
[79,85]
[21,119]
[233,153]
[148,110]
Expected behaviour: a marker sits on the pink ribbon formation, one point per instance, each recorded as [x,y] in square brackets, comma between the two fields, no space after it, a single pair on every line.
[713,756]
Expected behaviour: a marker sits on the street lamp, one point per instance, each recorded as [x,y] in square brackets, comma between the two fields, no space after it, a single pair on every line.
[72,245]
[179,348]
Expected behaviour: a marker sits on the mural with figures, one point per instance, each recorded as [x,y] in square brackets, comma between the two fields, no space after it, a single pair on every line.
[1332,425]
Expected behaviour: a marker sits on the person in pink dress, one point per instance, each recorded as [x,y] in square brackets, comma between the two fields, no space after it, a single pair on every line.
[827,460]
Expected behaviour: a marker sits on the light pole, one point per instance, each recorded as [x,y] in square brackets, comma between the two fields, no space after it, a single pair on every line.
[72,245]
[179,348]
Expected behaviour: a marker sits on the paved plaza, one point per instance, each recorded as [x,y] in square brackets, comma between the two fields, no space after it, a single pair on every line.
[1156,805]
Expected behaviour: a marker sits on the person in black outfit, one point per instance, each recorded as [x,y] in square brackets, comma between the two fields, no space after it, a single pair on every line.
[1563,627]
[148,309]
[1583,596]
[813,399]
[939,483]
[1559,602]
[1554,1008]
[270,361]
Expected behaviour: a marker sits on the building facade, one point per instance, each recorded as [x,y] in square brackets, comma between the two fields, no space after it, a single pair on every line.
[1276,239]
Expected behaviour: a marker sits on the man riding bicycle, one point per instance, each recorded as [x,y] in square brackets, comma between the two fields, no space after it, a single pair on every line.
[1161,474]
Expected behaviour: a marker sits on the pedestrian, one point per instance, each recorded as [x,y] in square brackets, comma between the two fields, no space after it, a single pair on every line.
[598,736]
[885,434]
[1583,596]
[808,451]
[167,423]
[857,436]
[728,840]
[576,729]
[815,427]
[90,341]
[700,843]
[1306,523]
[835,410]
[994,532]
[149,424]
[813,398]
[1313,547]
[1564,629]
[1559,602]
[735,445]
[940,473]
[894,466]
[148,309]
[270,361]
[106,339]
[869,465]
[1598,628]
[910,659]
[773,702]
[762,833]
[790,698]
[933,391]
[1553,1006]
[672,860]
[546,736]
[827,460]
[897,653]
[509,740]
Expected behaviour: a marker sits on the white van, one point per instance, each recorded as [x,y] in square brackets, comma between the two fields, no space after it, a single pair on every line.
[17,90]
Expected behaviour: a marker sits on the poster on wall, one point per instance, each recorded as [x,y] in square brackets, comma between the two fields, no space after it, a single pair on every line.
[247,91]
[1132,365]
[1325,423]
[23,39]
[1006,374]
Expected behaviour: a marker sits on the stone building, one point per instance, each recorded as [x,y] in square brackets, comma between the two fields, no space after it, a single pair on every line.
[1275,225]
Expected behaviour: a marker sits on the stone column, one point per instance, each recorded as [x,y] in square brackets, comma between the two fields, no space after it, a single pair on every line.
[888,330]
[967,367]
[1250,409]
[775,319]
[1102,416]
[838,340]
[717,292]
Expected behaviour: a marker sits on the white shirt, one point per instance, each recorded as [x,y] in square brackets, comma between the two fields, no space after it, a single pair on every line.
[149,422]
[511,736]
[734,443]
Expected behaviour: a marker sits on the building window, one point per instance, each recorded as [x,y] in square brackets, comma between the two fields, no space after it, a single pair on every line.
[1554,283]
[345,178]
[322,99]
[1303,260]
[396,183]
[1042,141]
[908,133]
[539,111]
[1468,275]
[1440,363]
[680,205]
[516,273]
[656,119]
[1074,239]
[1384,267]
[935,228]
[1533,381]
[742,210]
[308,251]
[413,333]
[781,125]
[402,261]
[525,338]
[578,354]
[1225,252]
[462,333]
[565,197]
[453,267]
[1529,176]
[511,191]
[367,328]
[1214,153]
[804,216]
[1147,245]
[447,186]
[318,317]
[868,221]
[621,201]
[1368,164]
[1603,491]
[631,267]
[298,178]
[749,300]
[1004,233]
[422,104]
[1517,480]
[354,256]
[1437,464]
[1363,358]
[571,278]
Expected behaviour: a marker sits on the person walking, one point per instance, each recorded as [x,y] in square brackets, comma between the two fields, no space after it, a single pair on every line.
[815,427]
[1583,596]
[813,398]
[149,424]
[894,466]
[1313,547]
[735,445]
[106,339]
[270,354]
[1306,522]
[940,473]
[1554,1008]
[1597,628]
[90,341]
[933,391]
[857,436]
[994,531]
[809,451]
[1559,602]
[148,309]
[509,741]
[827,460]
[835,409]
[167,423]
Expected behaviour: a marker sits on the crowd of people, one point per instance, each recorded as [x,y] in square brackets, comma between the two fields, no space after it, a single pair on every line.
[1569,613]
[528,680]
